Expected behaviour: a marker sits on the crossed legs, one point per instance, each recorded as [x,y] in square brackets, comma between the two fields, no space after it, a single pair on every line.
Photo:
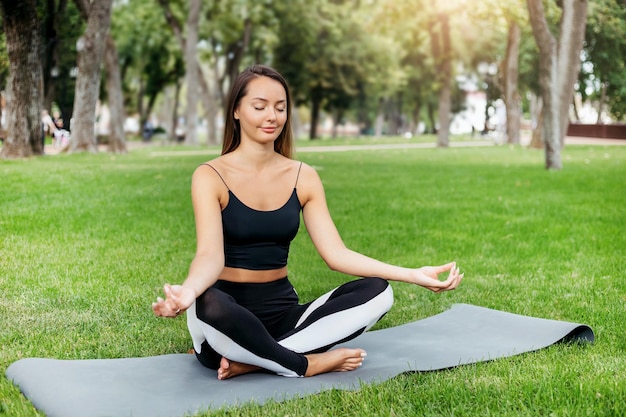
[233,339]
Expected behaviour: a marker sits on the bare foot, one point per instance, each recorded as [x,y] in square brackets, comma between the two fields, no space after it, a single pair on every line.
[229,369]
[336,360]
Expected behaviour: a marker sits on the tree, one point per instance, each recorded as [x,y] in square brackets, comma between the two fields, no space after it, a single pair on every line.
[333,76]
[117,138]
[604,73]
[25,82]
[91,48]
[63,25]
[409,84]
[351,58]
[442,52]
[4,73]
[240,33]
[513,66]
[511,94]
[558,69]
[206,94]
[150,59]
[293,50]
[331,54]
[193,19]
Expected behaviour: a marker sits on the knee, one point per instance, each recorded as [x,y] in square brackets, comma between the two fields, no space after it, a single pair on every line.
[210,306]
[384,291]
[387,296]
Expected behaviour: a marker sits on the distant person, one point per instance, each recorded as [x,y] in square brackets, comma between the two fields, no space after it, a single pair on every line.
[148,131]
[243,314]
[56,116]
[47,127]
[179,132]
[61,135]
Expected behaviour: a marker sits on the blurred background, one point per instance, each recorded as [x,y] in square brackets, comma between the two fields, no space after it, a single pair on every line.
[511,71]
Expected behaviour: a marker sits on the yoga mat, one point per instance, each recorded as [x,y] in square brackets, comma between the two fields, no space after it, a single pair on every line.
[177,385]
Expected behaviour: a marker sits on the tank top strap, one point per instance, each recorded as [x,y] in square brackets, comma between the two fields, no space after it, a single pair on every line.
[298,176]
[218,174]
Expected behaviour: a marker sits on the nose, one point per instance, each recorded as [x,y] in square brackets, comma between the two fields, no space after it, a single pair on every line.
[271,114]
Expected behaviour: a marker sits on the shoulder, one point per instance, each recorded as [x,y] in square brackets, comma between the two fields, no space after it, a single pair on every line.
[209,170]
[207,181]
[308,175]
[309,183]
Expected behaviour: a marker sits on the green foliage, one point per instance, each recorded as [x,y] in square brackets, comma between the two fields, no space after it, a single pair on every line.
[226,21]
[605,54]
[330,53]
[150,57]
[298,29]
[88,240]
[62,26]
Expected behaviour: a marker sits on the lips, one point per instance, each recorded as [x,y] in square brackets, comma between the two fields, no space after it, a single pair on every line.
[269,129]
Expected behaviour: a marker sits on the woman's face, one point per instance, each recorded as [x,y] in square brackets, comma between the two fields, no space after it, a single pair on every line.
[262,112]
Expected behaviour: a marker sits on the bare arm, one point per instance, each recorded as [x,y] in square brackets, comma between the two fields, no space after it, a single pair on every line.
[208,261]
[339,258]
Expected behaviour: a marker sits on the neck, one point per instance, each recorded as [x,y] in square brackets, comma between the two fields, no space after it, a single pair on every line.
[256,157]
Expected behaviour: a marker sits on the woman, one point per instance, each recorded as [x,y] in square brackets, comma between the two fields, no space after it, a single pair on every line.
[242,312]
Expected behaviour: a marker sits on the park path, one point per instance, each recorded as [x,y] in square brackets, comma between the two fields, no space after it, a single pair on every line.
[339,148]
[570,140]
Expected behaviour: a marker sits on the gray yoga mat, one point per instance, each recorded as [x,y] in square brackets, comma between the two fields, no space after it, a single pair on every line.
[177,385]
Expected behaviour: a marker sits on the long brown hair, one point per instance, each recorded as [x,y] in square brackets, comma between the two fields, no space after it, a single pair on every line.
[232,132]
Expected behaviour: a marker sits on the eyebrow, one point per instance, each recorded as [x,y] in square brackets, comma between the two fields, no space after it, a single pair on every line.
[266,100]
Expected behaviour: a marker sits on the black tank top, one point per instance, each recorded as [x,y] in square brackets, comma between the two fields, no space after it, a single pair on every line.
[255,239]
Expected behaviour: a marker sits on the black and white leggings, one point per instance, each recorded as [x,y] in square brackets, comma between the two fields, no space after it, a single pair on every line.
[264,325]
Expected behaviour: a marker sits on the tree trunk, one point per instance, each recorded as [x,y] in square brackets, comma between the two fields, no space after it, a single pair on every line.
[442,52]
[24,94]
[193,20]
[51,51]
[536,140]
[571,41]
[395,116]
[536,110]
[175,129]
[601,102]
[511,94]
[445,104]
[430,109]
[415,120]
[575,109]
[315,116]
[558,69]
[380,118]
[235,54]
[90,48]
[117,138]
[334,129]
[296,124]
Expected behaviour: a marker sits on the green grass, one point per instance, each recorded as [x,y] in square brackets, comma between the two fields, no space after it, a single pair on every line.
[87,241]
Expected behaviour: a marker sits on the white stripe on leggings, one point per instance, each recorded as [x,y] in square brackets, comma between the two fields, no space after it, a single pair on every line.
[338,326]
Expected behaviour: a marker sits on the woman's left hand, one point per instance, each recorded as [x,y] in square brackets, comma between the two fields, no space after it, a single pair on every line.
[428,277]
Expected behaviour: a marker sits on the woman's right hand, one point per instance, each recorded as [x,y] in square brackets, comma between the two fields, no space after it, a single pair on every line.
[177,300]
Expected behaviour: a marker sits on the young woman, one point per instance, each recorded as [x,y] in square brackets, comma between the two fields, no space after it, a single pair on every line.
[242,312]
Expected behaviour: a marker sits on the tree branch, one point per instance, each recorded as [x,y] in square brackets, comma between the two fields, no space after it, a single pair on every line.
[173,23]
[84,7]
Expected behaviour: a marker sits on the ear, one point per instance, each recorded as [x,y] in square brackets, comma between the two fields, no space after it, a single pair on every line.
[236,114]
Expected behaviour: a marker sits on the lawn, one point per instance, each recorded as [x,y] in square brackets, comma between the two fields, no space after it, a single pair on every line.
[87,241]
